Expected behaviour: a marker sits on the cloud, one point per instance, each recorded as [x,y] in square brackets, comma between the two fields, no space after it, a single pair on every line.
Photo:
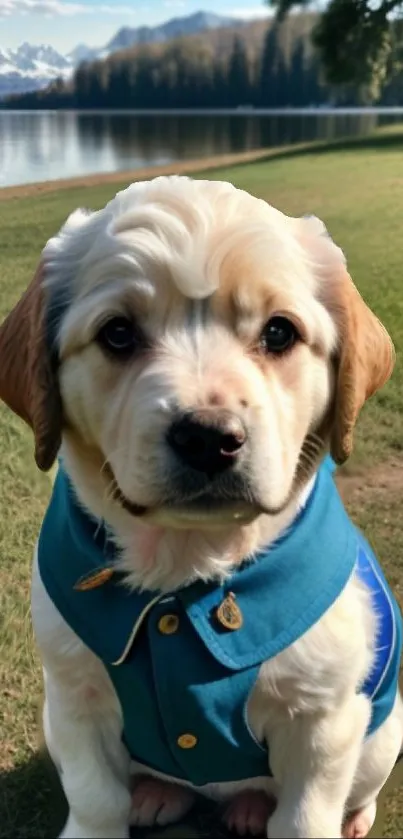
[246,12]
[58,8]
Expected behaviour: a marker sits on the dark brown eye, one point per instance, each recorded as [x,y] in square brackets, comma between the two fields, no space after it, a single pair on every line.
[118,336]
[278,336]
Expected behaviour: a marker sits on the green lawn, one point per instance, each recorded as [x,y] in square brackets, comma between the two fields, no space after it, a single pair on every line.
[357,189]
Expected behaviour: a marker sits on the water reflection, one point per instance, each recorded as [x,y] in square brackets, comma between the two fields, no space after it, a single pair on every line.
[50,145]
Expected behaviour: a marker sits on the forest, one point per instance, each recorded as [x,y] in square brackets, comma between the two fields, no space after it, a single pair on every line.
[259,65]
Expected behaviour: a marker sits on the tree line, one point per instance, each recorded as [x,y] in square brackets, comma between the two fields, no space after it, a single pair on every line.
[186,78]
[284,71]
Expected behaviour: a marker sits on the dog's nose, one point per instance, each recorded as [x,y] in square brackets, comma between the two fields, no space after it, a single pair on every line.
[208,441]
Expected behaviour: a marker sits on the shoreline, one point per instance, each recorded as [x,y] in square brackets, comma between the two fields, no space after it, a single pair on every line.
[203,164]
[191,166]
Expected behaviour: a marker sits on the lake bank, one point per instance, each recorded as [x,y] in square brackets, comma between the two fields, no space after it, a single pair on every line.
[142,174]
[388,134]
[59,145]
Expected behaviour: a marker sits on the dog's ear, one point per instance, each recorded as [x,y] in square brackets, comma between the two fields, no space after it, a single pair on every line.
[365,356]
[365,361]
[28,379]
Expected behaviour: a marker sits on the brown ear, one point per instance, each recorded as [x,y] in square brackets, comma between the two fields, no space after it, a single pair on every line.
[365,363]
[28,381]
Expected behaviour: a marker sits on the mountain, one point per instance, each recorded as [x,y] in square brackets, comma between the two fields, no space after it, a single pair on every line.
[175,28]
[82,53]
[129,37]
[32,67]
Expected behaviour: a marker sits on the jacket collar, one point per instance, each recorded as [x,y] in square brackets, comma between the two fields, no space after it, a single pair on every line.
[279,593]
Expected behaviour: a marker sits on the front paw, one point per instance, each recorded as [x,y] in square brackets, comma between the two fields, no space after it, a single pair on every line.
[158,802]
[248,812]
[77,830]
[358,824]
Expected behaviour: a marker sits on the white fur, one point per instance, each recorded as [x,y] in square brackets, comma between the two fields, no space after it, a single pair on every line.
[153,248]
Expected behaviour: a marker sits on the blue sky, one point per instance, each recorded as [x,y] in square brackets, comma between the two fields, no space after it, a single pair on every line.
[65,23]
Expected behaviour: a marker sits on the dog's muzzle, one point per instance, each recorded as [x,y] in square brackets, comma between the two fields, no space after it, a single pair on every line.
[207,479]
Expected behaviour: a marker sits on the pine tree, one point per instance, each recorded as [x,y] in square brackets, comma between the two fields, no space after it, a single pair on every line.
[238,75]
[268,67]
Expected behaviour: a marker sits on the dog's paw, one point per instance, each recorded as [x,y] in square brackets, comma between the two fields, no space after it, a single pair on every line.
[359,823]
[159,802]
[248,813]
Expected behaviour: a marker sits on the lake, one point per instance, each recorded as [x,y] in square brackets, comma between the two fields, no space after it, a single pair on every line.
[47,145]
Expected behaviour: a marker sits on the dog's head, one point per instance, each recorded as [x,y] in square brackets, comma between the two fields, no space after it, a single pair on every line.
[196,350]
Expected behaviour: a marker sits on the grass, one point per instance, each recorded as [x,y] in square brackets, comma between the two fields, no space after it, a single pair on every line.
[357,189]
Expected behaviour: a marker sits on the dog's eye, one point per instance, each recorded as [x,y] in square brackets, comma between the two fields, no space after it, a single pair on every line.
[278,335]
[118,336]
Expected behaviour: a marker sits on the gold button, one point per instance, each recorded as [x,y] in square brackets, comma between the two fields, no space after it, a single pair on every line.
[168,624]
[187,741]
[229,614]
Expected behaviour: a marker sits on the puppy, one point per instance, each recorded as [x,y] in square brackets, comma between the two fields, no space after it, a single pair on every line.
[207,616]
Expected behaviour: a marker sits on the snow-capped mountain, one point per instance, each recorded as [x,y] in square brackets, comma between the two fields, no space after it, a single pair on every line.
[31,67]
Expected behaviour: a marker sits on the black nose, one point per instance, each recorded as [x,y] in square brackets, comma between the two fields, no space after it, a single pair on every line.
[207,441]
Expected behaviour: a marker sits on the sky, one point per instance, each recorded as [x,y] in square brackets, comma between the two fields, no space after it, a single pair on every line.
[66,23]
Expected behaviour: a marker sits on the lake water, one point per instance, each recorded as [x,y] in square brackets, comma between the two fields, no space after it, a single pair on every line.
[47,145]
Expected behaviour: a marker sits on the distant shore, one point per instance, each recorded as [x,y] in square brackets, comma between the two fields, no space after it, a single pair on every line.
[240,111]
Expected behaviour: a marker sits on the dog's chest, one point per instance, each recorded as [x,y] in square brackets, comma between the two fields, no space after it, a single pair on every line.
[184,666]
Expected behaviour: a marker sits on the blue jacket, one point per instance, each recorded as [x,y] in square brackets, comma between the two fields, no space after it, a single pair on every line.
[183,667]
